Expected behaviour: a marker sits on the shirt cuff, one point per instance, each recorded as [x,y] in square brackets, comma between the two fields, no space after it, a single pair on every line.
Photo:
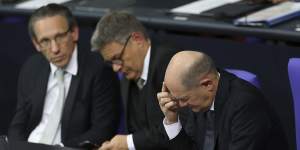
[130,142]
[61,144]
[172,129]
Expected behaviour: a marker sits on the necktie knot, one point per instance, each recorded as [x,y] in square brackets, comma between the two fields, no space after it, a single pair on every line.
[140,83]
[59,74]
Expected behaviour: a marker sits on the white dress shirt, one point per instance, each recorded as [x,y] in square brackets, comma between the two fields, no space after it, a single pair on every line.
[51,98]
[144,76]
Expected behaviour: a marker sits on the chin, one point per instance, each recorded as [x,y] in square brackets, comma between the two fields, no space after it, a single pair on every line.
[60,64]
[131,76]
[196,109]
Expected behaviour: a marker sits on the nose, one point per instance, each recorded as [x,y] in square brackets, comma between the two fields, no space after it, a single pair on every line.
[54,47]
[116,67]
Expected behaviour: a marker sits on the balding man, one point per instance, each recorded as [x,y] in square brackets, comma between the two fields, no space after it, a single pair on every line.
[224,112]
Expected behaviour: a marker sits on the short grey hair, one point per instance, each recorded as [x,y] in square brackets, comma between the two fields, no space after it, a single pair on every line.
[115,26]
[51,10]
[200,67]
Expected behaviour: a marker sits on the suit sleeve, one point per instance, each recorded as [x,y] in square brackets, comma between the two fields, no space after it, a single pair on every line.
[150,138]
[17,129]
[104,109]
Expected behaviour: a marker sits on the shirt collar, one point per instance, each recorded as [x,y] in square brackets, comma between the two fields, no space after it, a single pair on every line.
[212,107]
[144,74]
[72,66]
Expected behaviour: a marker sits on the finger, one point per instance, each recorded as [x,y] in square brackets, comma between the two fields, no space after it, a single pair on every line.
[163,101]
[105,143]
[164,88]
[106,146]
[174,107]
[170,105]
[162,95]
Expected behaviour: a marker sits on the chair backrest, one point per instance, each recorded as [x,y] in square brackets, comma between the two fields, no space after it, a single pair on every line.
[294,76]
[245,75]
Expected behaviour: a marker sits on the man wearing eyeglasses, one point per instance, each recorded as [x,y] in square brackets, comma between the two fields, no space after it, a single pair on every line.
[67,95]
[124,44]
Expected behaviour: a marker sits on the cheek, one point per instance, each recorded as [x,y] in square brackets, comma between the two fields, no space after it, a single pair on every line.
[47,54]
[196,102]
[68,48]
[129,65]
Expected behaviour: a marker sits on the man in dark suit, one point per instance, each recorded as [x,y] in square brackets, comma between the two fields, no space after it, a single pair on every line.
[222,111]
[66,95]
[123,42]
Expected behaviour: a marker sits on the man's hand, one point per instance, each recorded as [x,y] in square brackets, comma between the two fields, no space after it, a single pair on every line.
[119,142]
[167,105]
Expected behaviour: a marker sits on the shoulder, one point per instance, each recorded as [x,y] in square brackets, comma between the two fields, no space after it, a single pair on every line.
[34,63]
[240,92]
[162,52]
[91,63]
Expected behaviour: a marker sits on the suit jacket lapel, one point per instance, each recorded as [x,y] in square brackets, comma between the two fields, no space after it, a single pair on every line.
[38,95]
[220,100]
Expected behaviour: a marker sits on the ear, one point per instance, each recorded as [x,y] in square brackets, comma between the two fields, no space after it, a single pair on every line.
[36,45]
[75,33]
[137,37]
[207,83]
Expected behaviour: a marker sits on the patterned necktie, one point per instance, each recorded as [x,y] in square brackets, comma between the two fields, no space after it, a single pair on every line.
[55,117]
[209,141]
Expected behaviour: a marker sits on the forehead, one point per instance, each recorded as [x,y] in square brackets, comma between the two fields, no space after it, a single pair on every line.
[48,26]
[111,49]
[175,87]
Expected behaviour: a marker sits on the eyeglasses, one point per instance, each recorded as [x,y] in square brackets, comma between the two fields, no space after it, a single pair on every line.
[118,60]
[177,98]
[58,38]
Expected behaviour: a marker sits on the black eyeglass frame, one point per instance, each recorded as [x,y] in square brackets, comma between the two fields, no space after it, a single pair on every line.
[58,38]
[119,61]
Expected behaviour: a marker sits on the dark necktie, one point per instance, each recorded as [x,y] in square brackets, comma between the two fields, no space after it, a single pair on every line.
[209,140]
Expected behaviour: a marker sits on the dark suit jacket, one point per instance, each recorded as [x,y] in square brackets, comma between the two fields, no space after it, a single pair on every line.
[90,111]
[151,136]
[243,120]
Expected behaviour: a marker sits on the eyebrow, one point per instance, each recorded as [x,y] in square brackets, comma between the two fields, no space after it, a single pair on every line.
[178,98]
[175,98]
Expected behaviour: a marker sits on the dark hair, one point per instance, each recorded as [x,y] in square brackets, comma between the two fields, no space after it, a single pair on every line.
[115,26]
[200,67]
[49,11]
